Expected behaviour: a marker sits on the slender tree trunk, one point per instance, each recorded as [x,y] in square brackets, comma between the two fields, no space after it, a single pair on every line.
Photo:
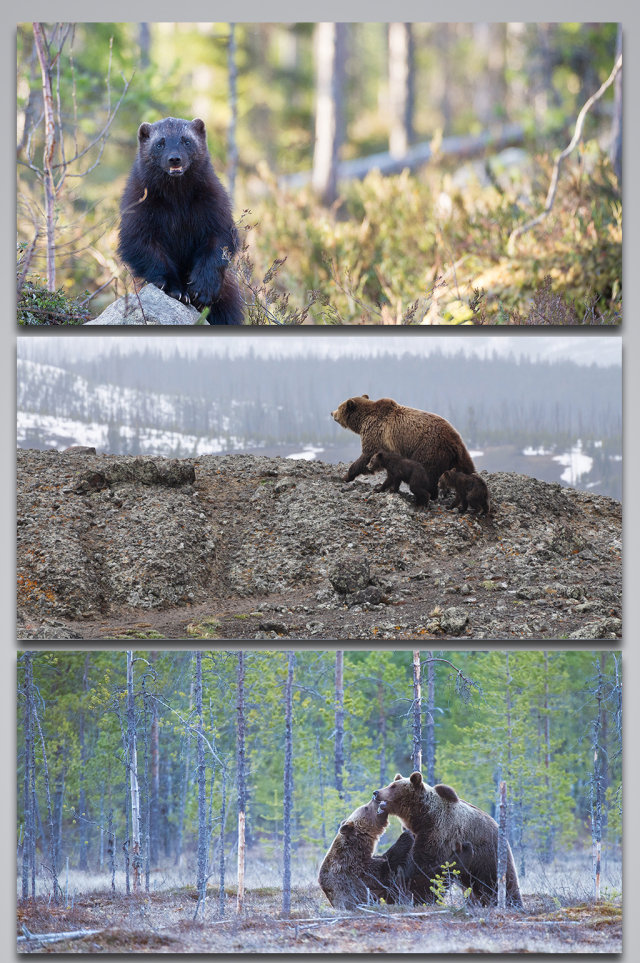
[548,832]
[185,787]
[27,796]
[83,827]
[155,781]
[597,786]
[502,846]
[323,822]
[616,134]
[49,149]
[203,840]
[417,714]
[221,865]
[382,734]
[111,851]
[339,726]
[430,720]
[401,88]
[242,792]
[134,787]
[53,855]
[330,46]
[144,42]
[288,786]
[232,146]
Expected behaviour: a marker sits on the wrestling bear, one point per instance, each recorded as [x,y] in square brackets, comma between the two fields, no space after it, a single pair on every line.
[411,433]
[441,823]
[401,470]
[176,229]
[350,870]
[471,491]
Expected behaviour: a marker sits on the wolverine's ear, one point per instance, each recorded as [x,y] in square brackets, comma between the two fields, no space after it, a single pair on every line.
[348,828]
[143,131]
[447,793]
[397,776]
[416,779]
[198,125]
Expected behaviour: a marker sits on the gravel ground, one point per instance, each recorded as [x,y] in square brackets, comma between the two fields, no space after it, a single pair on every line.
[248,547]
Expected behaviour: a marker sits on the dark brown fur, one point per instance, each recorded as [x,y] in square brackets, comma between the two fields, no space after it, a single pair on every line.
[384,425]
[176,229]
[471,491]
[443,824]
[399,470]
[350,871]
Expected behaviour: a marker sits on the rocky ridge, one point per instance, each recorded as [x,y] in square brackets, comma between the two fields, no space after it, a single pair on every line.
[249,547]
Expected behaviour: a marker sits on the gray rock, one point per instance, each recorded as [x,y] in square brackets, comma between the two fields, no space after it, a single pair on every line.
[150,306]
[349,574]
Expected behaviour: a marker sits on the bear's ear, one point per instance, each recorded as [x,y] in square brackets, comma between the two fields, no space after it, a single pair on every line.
[144,131]
[447,793]
[397,776]
[365,396]
[350,406]
[416,779]
[348,828]
[198,125]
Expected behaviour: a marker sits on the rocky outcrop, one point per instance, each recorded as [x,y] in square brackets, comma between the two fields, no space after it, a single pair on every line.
[149,306]
[240,546]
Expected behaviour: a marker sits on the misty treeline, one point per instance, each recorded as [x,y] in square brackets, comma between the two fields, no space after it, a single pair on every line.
[265,401]
[133,766]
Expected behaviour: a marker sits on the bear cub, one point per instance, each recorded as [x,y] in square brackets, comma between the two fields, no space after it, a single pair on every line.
[401,470]
[176,228]
[471,491]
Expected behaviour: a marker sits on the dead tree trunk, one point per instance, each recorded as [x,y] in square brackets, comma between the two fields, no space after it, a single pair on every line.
[401,83]
[430,722]
[339,724]
[82,795]
[49,149]
[502,846]
[417,714]
[203,836]
[330,68]
[597,784]
[154,818]
[53,855]
[288,786]
[242,791]
[29,801]
[134,787]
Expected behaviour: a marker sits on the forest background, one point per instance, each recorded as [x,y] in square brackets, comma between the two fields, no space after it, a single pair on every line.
[432,244]
[294,741]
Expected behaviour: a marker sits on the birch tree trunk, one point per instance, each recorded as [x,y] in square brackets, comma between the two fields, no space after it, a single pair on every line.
[242,791]
[49,149]
[134,788]
[401,86]
[330,46]
[288,786]
[339,724]
[417,714]
[154,820]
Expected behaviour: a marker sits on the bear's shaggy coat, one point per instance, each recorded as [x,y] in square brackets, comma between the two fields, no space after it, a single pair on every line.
[399,470]
[176,228]
[411,433]
[350,871]
[471,491]
[443,823]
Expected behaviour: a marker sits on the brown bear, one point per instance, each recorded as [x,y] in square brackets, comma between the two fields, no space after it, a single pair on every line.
[418,435]
[176,228]
[471,491]
[443,823]
[401,470]
[350,871]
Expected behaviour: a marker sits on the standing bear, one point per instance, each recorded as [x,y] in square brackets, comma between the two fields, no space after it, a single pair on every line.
[350,871]
[443,823]
[176,229]
[411,433]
